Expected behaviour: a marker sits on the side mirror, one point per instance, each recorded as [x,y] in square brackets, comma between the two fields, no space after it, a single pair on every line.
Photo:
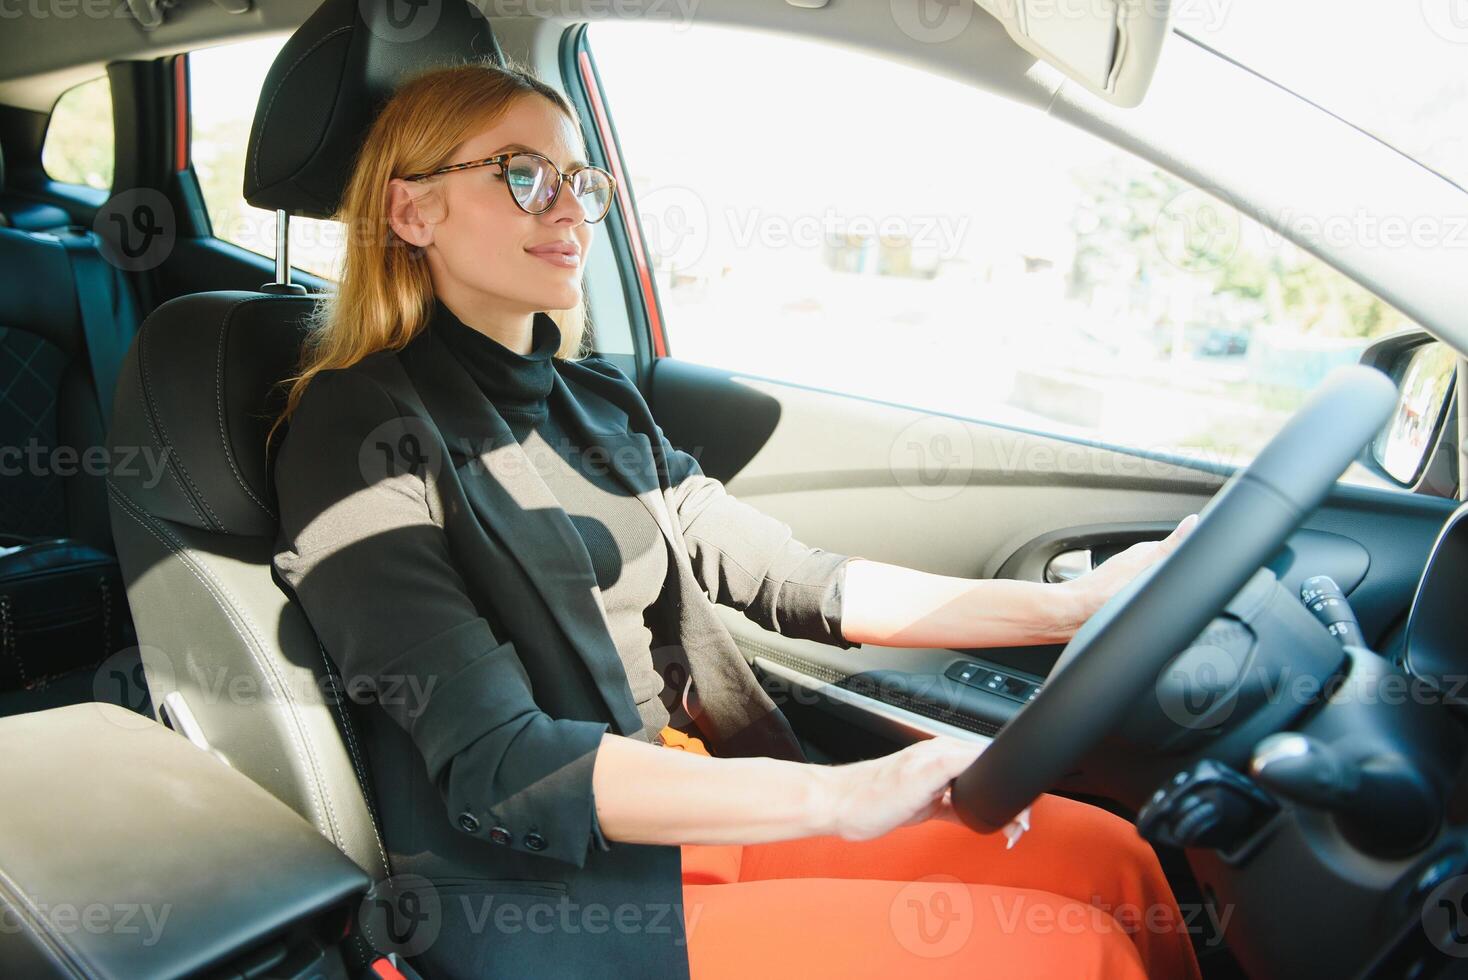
[1424,370]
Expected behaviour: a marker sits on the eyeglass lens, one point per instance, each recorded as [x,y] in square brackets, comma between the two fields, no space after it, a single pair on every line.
[533,182]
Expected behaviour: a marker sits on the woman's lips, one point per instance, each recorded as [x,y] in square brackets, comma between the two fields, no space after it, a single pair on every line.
[559,255]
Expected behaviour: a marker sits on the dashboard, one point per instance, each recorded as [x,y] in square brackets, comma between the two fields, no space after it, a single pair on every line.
[1433,646]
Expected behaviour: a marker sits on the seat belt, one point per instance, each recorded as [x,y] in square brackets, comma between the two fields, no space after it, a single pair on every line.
[107,335]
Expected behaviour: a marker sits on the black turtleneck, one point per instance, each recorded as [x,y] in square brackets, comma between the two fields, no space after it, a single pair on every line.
[518,384]
[627,549]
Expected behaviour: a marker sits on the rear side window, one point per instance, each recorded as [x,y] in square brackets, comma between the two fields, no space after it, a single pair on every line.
[224,87]
[79,138]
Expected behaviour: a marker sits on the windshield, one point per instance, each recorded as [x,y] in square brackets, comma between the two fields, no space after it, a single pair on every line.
[1399,71]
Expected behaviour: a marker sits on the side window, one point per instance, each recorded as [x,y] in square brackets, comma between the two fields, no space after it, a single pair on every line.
[905,237]
[79,137]
[224,87]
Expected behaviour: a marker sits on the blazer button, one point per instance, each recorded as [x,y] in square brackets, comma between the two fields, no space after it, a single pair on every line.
[534,841]
[468,822]
[499,835]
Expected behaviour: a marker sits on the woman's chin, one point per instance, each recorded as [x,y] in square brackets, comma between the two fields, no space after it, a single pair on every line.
[565,298]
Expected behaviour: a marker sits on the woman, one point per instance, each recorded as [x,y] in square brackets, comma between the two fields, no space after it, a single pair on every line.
[556,614]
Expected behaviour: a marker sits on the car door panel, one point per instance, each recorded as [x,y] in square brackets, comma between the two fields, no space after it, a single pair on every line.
[825,464]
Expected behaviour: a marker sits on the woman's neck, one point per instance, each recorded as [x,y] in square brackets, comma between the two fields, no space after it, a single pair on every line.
[513,329]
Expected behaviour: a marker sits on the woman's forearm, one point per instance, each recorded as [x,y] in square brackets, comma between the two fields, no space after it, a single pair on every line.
[647,794]
[904,607]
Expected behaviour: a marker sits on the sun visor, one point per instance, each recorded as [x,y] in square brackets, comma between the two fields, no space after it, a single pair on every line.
[1109,46]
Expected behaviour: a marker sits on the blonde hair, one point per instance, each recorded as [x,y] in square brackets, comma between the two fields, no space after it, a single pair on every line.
[385,295]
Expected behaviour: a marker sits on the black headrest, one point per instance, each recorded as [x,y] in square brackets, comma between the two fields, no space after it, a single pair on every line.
[330,80]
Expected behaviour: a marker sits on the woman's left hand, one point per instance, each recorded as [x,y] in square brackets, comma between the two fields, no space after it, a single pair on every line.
[1102,582]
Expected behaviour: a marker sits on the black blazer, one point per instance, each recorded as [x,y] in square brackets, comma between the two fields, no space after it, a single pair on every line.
[410,520]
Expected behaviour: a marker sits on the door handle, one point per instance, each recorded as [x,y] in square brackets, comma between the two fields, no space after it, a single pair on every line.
[1068,565]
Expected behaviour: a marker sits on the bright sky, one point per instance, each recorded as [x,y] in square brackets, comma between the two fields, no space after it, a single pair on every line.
[227,78]
[1396,68]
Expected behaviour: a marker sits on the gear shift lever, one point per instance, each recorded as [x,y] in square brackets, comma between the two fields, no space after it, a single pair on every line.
[1380,801]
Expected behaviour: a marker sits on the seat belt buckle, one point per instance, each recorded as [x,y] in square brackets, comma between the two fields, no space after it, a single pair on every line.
[390,966]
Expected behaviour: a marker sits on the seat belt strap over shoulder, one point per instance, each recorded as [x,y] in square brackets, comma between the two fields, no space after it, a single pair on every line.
[107,329]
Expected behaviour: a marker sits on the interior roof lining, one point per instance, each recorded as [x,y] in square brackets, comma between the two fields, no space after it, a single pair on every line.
[1223,155]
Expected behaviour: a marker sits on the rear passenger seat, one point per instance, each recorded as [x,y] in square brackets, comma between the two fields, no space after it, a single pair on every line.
[18,212]
[62,607]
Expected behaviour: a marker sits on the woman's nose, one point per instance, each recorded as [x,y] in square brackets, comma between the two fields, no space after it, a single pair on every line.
[566,210]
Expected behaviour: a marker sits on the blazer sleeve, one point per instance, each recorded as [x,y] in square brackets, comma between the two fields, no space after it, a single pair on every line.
[373,572]
[746,559]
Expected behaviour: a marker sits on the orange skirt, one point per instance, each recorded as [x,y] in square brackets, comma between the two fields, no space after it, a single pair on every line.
[1080,895]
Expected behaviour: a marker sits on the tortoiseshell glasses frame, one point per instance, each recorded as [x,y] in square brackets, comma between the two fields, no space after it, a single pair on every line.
[592,181]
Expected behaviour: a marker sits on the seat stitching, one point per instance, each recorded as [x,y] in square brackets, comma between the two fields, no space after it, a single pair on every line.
[219,402]
[217,590]
[265,119]
[357,765]
[177,458]
[154,427]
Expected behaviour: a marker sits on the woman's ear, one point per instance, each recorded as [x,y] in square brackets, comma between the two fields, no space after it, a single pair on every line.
[405,216]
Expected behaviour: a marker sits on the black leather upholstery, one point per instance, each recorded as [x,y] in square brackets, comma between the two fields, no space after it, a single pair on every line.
[17,212]
[46,396]
[329,81]
[199,385]
[198,389]
[61,606]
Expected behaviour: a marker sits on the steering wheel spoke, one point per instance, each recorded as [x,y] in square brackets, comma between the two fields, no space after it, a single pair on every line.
[1114,659]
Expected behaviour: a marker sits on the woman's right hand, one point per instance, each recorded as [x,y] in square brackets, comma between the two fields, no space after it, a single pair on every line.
[869,798]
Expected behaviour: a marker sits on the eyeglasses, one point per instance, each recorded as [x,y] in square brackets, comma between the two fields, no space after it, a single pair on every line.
[535,183]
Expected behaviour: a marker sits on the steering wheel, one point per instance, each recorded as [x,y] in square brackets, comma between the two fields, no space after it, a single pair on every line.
[1115,657]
